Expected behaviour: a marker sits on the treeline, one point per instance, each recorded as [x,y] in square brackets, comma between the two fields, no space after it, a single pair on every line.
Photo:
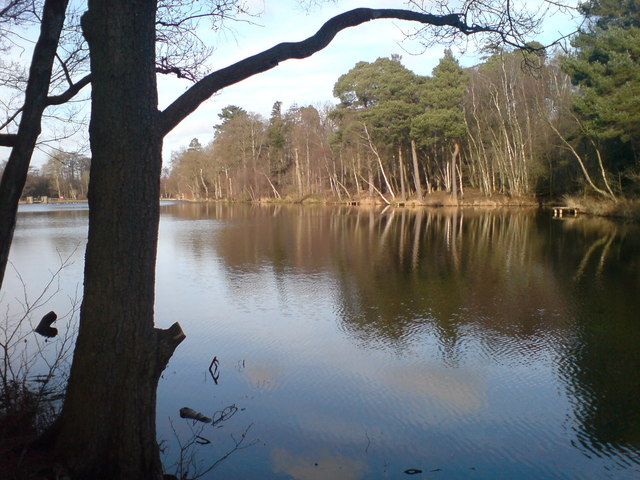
[520,124]
[65,175]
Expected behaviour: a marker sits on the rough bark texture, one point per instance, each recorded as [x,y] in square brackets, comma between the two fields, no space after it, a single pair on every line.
[107,426]
[23,143]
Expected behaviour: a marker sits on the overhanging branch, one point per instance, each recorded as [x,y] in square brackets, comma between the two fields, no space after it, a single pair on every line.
[266,60]
[8,139]
[71,92]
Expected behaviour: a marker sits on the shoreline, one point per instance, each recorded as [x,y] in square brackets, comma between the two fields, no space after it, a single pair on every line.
[623,209]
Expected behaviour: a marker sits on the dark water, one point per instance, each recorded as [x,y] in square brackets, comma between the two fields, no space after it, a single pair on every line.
[358,344]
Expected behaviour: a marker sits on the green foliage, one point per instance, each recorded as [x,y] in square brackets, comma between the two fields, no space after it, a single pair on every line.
[391,120]
[606,68]
[276,130]
[369,84]
[383,95]
[442,97]
[195,144]
[438,125]
[608,13]
[229,113]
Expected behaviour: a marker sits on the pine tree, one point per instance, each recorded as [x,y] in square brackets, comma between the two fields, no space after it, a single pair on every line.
[606,69]
[442,122]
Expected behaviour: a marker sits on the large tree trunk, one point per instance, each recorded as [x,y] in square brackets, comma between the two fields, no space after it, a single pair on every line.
[107,425]
[35,101]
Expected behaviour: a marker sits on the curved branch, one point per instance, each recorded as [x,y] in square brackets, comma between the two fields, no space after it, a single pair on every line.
[266,60]
[11,118]
[579,159]
[35,97]
[8,140]
[68,94]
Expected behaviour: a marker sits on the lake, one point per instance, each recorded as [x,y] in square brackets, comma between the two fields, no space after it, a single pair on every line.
[358,344]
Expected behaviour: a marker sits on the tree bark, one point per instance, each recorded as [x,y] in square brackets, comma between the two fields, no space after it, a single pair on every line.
[298,175]
[416,170]
[377,155]
[107,426]
[403,191]
[454,182]
[24,142]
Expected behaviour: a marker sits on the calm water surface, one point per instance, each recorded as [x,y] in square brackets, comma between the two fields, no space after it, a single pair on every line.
[361,343]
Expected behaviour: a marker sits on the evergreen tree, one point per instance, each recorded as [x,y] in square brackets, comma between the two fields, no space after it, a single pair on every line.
[383,96]
[195,145]
[369,84]
[609,13]
[229,113]
[606,69]
[442,122]
[442,98]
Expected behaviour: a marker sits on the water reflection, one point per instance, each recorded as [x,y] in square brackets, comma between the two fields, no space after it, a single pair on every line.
[486,344]
[317,467]
[601,366]
[518,288]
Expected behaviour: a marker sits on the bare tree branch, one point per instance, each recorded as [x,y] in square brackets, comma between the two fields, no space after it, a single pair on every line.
[11,118]
[8,139]
[15,173]
[71,92]
[266,60]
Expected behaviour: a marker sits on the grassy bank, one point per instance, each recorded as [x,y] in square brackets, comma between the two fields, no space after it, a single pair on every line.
[471,198]
[623,208]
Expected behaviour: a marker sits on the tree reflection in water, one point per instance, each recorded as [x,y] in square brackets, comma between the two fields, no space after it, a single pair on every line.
[518,281]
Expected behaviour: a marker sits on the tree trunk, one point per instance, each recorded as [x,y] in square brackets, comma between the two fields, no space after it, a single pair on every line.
[403,190]
[35,101]
[107,426]
[377,155]
[204,185]
[416,170]
[454,182]
[298,175]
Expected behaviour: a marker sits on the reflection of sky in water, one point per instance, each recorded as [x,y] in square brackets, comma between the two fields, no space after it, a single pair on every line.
[370,344]
[317,467]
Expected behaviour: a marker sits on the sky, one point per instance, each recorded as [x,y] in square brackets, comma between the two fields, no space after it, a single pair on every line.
[307,81]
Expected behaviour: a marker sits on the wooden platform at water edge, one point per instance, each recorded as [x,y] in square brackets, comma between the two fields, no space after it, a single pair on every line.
[561,212]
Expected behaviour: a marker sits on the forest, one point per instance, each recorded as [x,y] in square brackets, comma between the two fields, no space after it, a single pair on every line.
[531,125]
[524,124]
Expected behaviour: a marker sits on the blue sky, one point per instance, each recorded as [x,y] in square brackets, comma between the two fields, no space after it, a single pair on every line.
[308,81]
[311,80]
